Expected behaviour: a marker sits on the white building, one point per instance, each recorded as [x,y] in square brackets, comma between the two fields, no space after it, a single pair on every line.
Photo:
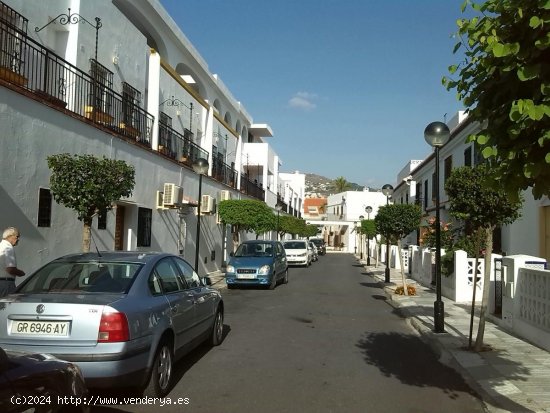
[142,94]
[530,234]
[343,212]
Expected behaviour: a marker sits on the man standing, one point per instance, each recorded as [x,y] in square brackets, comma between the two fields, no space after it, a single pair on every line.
[8,263]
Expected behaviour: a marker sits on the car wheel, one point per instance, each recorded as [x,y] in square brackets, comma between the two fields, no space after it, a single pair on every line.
[273,283]
[285,278]
[230,286]
[161,373]
[217,329]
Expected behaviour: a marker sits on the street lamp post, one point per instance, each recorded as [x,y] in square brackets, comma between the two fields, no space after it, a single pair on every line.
[368,210]
[388,191]
[361,217]
[200,166]
[437,134]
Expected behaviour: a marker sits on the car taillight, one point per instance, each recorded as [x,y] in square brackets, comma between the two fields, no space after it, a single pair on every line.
[113,327]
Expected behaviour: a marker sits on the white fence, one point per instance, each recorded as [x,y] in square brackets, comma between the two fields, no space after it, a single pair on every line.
[522,287]
[526,299]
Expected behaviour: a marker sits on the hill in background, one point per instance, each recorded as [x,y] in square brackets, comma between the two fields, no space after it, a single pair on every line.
[323,186]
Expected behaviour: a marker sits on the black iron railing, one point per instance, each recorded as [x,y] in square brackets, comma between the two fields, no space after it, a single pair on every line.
[222,172]
[29,65]
[281,202]
[179,147]
[252,188]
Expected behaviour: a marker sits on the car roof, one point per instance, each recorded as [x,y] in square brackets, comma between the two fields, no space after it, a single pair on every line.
[114,256]
[259,241]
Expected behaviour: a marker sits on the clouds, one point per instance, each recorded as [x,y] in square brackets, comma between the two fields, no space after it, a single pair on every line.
[303,101]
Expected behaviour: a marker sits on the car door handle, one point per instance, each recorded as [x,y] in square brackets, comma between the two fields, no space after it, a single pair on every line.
[175,308]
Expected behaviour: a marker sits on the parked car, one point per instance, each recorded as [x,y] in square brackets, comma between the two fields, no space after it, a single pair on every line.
[122,317]
[320,244]
[315,254]
[33,382]
[298,252]
[257,262]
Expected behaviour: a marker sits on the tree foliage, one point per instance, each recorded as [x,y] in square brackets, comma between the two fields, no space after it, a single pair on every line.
[504,81]
[368,228]
[396,221]
[472,198]
[247,215]
[88,185]
[340,184]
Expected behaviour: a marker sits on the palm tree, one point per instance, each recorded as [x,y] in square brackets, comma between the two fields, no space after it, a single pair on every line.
[340,184]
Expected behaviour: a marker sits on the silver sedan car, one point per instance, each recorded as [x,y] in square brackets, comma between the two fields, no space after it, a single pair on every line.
[122,317]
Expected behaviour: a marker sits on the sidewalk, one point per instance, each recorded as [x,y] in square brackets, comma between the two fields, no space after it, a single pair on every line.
[218,280]
[512,376]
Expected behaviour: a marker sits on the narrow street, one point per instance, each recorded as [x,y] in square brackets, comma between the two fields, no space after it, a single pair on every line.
[326,342]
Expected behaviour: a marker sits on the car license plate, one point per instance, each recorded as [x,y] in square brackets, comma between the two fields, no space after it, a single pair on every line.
[40,328]
[246,276]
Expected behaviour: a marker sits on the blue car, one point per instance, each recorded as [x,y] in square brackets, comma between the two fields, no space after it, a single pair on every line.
[259,262]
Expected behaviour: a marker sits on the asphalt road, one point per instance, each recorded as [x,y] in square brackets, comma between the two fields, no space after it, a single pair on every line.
[326,342]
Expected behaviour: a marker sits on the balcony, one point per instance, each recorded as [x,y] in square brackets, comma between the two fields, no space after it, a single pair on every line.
[252,188]
[223,173]
[179,147]
[27,66]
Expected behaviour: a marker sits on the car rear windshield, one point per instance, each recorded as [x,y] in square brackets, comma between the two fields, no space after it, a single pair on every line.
[318,241]
[295,245]
[70,277]
[257,249]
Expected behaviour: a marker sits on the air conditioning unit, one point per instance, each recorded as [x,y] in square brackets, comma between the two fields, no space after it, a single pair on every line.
[207,204]
[225,195]
[160,200]
[173,195]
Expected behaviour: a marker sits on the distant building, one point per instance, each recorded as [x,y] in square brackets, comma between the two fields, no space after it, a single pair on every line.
[315,208]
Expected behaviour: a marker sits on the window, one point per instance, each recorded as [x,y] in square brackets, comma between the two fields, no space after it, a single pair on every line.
[447,168]
[468,156]
[426,194]
[478,156]
[130,102]
[102,219]
[101,98]
[167,275]
[44,208]
[145,216]
[13,27]
[418,194]
[190,276]
[165,133]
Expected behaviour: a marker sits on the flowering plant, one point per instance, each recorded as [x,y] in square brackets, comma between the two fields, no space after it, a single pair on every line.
[427,239]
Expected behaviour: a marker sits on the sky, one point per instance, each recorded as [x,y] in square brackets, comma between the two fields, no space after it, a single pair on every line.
[347,86]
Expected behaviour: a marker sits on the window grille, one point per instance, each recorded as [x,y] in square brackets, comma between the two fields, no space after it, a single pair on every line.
[145,216]
[44,208]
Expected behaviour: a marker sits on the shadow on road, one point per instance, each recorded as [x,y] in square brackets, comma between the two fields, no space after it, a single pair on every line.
[406,357]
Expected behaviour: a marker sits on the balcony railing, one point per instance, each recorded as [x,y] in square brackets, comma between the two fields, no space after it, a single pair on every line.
[179,147]
[222,172]
[252,188]
[28,65]
[281,202]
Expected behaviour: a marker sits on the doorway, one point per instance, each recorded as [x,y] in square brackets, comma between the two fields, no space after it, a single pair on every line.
[119,228]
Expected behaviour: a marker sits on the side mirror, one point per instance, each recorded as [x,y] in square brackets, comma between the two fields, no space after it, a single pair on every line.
[231,254]
[206,281]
